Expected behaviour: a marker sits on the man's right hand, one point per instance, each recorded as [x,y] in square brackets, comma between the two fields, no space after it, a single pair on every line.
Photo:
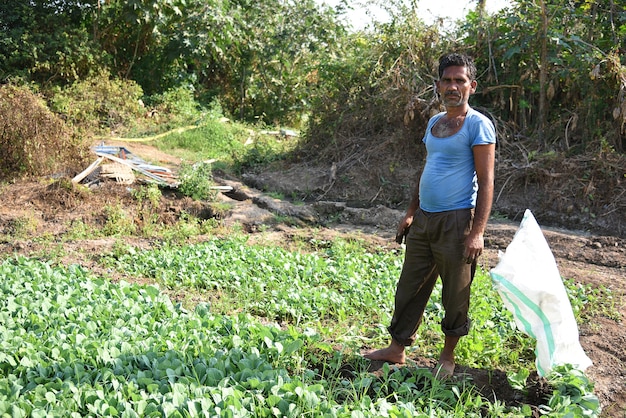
[403,228]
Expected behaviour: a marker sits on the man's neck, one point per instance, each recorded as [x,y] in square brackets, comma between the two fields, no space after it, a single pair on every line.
[455,111]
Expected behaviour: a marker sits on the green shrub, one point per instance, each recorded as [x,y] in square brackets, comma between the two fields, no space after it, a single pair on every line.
[100,103]
[266,149]
[178,105]
[196,181]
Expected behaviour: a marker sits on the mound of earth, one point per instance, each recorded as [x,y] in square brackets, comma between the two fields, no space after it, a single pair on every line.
[46,210]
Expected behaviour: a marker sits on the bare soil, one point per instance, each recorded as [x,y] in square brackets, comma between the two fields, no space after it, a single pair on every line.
[34,215]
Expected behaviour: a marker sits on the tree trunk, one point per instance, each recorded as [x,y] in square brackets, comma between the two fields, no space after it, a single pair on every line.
[481,7]
[543,74]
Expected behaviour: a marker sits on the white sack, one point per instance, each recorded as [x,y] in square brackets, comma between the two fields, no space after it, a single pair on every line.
[529,282]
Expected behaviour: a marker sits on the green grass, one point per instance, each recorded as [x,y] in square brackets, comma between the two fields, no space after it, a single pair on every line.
[233,146]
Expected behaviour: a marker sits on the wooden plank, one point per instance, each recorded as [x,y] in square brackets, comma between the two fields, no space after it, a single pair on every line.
[80,176]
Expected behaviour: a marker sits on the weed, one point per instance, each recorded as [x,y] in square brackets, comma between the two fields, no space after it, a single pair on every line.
[149,198]
[186,227]
[196,181]
[80,230]
[118,222]
[121,249]
[149,193]
[23,227]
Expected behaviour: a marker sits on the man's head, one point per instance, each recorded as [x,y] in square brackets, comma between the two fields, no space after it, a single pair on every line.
[457,60]
[457,81]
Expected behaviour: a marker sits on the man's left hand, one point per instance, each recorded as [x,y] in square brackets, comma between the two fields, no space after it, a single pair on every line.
[474,245]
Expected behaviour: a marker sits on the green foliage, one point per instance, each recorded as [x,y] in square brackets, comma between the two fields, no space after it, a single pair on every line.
[179,106]
[584,74]
[97,347]
[592,302]
[295,63]
[118,222]
[100,102]
[517,380]
[196,181]
[257,57]
[382,81]
[33,140]
[573,394]
[281,45]
[264,150]
[187,227]
[78,229]
[47,42]
[149,194]
[286,279]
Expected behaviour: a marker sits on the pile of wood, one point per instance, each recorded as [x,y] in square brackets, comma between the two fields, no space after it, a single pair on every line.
[123,166]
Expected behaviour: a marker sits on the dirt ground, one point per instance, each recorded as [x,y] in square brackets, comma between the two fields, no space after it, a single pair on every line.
[33,214]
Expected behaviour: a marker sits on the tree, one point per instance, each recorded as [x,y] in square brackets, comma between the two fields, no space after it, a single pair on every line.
[558,73]
[281,44]
[46,41]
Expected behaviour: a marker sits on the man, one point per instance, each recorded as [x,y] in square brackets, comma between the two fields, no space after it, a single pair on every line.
[446,219]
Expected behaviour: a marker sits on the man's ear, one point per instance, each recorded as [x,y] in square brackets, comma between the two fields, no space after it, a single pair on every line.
[473,85]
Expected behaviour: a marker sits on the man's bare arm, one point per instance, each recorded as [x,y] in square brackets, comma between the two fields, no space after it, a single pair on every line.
[484,160]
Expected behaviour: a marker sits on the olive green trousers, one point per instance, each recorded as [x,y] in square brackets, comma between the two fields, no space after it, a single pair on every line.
[434,248]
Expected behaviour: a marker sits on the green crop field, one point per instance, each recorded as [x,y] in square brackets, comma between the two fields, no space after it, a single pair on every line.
[262,332]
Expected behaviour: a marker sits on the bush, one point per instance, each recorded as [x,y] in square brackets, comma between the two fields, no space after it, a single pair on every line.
[178,105]
[33,140]
[196,181]
[100,103]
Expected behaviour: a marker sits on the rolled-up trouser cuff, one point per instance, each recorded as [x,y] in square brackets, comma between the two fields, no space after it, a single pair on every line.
[402,341]
[457,332]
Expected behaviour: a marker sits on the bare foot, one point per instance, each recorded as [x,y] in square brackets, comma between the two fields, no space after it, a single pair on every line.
[392,354]
[444,369]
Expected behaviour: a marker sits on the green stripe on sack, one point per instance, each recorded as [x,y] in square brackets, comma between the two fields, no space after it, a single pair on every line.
[547,329]
[527,328]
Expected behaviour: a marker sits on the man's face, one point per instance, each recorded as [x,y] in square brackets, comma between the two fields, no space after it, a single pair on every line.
[455,87]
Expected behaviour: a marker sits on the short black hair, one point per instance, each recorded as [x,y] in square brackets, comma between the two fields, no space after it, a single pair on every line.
[457,60]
